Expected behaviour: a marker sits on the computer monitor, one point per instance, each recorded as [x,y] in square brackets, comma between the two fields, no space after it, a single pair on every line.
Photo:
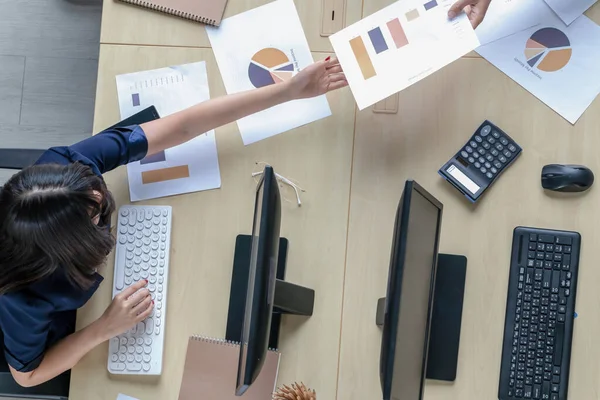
[409,300]
[261,283]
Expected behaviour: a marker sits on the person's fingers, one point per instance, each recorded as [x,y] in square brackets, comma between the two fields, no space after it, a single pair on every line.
[337,77]
[337,85]
[480,9]
[132,289]
[335,70]
[476,20]
[143,305]
[146,313]
[138,296]
[331,61]
[457,8]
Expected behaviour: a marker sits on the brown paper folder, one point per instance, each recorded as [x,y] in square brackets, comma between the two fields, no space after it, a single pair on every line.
[206,11]
[210,372]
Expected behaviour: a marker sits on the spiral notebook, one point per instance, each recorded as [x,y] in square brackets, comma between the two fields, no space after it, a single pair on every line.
[210,372]
[209,12]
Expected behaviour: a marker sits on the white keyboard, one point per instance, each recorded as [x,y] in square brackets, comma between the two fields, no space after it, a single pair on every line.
[142,252]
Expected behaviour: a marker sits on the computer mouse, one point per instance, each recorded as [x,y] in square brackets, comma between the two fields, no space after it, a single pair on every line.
[567,178]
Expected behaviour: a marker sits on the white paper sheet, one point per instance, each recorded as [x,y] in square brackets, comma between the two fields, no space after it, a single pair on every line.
[558,64]
[506,17]
[400,45]
[258,48]
[570,10]
[170,90]
[122,396]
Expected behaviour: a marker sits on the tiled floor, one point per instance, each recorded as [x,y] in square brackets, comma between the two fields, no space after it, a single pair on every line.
[48,67]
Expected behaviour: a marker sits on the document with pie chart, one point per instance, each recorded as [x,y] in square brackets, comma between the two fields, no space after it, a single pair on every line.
[557,63]
[261,47]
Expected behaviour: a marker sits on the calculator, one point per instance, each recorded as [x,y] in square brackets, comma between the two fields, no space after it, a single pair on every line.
[478,164]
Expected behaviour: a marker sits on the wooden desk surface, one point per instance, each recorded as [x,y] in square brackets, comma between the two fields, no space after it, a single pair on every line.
[205,226]
[126,24]
[340,238]
[437,117]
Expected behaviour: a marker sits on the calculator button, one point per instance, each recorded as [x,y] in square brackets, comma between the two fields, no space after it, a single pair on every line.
[477,165]
[469,149]
[498,164]
[464,154]
[488,165]
[507,154]
[486,145]
[502,159]
[494,152]
[504,141]
[483,170]
[485,130]
[491,140]
[473,144]
[481,160]
[478,139]
[512,147]
[499,147]
[495,134]
[471,160]
[481,150]
[489,158]
[489,175]
[494,170]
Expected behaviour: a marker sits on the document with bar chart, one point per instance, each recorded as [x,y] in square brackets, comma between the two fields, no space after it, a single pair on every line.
[400,45]
[558,64]
[190,167]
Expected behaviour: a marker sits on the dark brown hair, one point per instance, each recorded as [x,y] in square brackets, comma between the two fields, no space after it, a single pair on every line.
[46,225]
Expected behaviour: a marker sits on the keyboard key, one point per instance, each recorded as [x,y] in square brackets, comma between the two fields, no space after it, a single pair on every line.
[537,392]
[554,388]
[546,238]
[560,330]
[556,371]
[564,240]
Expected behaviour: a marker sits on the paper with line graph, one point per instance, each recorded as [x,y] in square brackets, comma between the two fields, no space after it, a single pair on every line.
[190,167]
[400,45]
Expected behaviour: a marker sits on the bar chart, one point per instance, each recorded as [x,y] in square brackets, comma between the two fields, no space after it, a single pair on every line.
[400,45]
[190,167]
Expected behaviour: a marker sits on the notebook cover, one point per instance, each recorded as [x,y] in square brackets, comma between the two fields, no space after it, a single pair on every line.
[205,11]
[210,372]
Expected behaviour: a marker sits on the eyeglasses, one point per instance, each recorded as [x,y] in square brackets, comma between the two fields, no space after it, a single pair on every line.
[285,184]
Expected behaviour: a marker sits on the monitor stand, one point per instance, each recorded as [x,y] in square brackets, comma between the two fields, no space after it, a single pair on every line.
[446,317]
[289,298]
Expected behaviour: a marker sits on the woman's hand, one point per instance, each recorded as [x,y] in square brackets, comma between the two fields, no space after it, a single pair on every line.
[475,10]
[317,79]
[129,307]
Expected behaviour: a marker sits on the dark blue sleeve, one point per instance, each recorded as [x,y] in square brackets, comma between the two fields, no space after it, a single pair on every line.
[25,327]
[102,152]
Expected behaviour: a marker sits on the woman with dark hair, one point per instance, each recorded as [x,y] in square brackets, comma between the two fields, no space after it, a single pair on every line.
[54,219]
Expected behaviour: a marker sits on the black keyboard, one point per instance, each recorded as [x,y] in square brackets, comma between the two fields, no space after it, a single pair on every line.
[538,329]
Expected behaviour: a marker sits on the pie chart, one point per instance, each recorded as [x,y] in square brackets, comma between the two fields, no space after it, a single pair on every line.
[269,66]
[548,50]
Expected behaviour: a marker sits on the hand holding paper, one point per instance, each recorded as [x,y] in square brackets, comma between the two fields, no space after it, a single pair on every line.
[475,10]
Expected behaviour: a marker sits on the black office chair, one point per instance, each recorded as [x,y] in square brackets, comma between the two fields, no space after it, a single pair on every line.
[57,388]
[18,158]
